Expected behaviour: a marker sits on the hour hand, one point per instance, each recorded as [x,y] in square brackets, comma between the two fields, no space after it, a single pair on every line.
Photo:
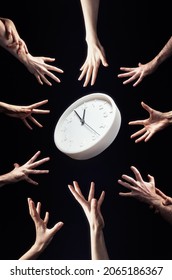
[81,120]
[83,117]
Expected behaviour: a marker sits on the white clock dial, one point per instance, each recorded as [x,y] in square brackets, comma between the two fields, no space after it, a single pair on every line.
[88,126]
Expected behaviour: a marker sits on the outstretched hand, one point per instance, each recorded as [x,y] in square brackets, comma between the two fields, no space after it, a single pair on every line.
[91,206]
[95,57]
[25,113]
[137,73]
[22,172]
[156,122]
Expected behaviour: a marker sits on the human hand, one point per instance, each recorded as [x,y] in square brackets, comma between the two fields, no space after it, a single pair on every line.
[44,235]
[140,189]
[95,56]
[156,121]
[13,36]
[91,206]
[22,172]
[137,73]
[40,69]
[25,112]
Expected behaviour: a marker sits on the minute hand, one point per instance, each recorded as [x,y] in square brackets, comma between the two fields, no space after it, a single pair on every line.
[90,127]
[81,120]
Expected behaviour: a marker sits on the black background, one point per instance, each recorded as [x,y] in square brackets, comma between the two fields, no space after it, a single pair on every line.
[131,32]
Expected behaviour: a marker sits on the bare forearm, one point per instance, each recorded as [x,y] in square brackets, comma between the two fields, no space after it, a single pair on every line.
[4,107]
[5,179]
[4,42]
[90,10]
[165,53]
[165,212]
[98,246]
[32,254]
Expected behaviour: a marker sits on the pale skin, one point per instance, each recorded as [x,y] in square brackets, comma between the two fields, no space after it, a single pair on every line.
[11,33]
[156,122]
[44,235]
[92,210]
[37,65]
[136,75]
[146,191]
[95,51]
[23,172]
[24,113]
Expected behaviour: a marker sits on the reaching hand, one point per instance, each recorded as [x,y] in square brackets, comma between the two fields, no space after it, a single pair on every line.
[40,69]
[95,56]
[21,173]
[156,122]
[26,112]
[43,234]
[137,73]
[140,189]
[91,206]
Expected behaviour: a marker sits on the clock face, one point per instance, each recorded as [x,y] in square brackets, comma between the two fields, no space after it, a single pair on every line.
[88,126]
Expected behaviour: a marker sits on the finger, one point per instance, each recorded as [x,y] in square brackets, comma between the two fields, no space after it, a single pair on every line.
[77,196]
[127,69]
[146,107]
[38,111]
[136,173]
[94,208]
[138,122]
[46,218]
[88,76]
[159,192]
[27,124]
[38,104]
[36,171]
[77,188]
[91,191]
[83,73]
[129,194]
[16,165]
[33,211]
[126,185]
[138,81]
[149,136]
[38,208]
[139,132]
[94,75]
[30,201]
[56,228]
[104,61]
[35,121]
[39,79]
[53,68]
[30,181]
[34,157]
[151,179]
[101,199]
[142,138]
[45,80]
[39,162]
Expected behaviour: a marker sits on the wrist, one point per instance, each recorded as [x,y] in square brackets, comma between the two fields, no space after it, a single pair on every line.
[168,117]
[5,179]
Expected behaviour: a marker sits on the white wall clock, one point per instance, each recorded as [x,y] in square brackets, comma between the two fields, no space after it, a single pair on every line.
[88,126]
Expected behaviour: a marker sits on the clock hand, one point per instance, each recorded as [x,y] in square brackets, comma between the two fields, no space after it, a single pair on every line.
[81,120]
[91,128]
[83,117]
